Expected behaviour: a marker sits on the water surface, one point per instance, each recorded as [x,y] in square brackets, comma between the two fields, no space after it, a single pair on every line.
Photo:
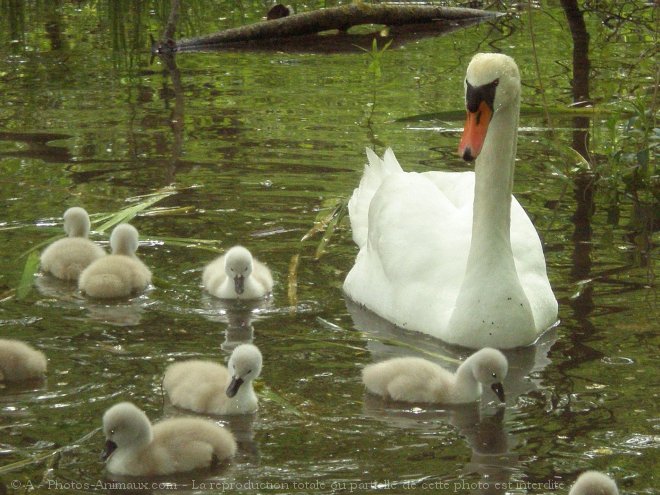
[257,146]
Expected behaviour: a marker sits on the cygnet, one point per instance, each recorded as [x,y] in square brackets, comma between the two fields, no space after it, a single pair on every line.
[66,258]
[594,483]
[19,361]
[210,388]
[413,379]
[136,448]
[119,274]
[237,275]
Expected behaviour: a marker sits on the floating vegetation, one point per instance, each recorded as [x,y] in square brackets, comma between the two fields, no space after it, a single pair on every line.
[8,468]
[326,223]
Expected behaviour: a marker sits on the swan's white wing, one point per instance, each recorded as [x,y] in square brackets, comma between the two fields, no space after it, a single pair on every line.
[414,233]
[530,265]
[412,265]
[456,187]
[372,178]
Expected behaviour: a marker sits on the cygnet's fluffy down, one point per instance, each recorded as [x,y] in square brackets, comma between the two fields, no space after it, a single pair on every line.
[594,483]
[210,388]
[67,258]
[136,448]
[237,275]
[119,274]
[413,379]
[19,361]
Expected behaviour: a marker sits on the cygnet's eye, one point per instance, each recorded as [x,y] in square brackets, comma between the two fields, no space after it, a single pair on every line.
[494,375]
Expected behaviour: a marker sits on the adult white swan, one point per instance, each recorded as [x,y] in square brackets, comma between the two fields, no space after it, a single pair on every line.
[454,255]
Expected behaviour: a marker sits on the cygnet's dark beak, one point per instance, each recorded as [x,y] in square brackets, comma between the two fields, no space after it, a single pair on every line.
[233,387]
[499,391]
[239,284]
[108,449]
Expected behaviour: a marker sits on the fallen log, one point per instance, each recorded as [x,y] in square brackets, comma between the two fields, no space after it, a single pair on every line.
[311,23]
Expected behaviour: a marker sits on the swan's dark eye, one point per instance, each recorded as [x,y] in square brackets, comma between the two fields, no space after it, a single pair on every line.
[494,375]
[474,95]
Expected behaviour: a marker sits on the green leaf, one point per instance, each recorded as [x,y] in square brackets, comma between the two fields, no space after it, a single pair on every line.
[582,162]
[127,214]
[27,278]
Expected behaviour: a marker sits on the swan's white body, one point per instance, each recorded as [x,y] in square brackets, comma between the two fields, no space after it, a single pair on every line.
[454,255]
[135,448]
[237,275]
[19,361]
[202,386]
[414,379]
[119,274]
[67,258]
[594,483]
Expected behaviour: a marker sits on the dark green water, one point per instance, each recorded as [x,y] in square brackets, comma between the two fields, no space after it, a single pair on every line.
[257,144]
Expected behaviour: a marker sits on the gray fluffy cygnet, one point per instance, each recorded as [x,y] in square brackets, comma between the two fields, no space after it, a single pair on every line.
[413,379]
[119,274]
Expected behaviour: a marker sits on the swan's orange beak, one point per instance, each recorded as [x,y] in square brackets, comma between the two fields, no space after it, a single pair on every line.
[474,133]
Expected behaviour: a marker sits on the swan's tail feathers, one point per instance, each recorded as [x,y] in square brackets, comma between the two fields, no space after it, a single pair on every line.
[358,206]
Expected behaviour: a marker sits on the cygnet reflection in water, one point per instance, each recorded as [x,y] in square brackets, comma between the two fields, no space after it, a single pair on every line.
[492,446]
[239,330]
[238,315]
[63,295]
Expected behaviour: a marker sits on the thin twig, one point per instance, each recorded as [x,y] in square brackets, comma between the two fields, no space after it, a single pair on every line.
[172,21]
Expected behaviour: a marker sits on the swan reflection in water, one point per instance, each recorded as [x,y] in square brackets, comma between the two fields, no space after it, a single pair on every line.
[482,424]
[119,312]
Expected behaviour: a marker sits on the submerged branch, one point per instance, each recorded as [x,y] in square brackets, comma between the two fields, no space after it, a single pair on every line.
[336,18]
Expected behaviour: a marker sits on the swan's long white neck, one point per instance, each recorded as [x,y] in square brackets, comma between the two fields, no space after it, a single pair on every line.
[494,167]
[491,301]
